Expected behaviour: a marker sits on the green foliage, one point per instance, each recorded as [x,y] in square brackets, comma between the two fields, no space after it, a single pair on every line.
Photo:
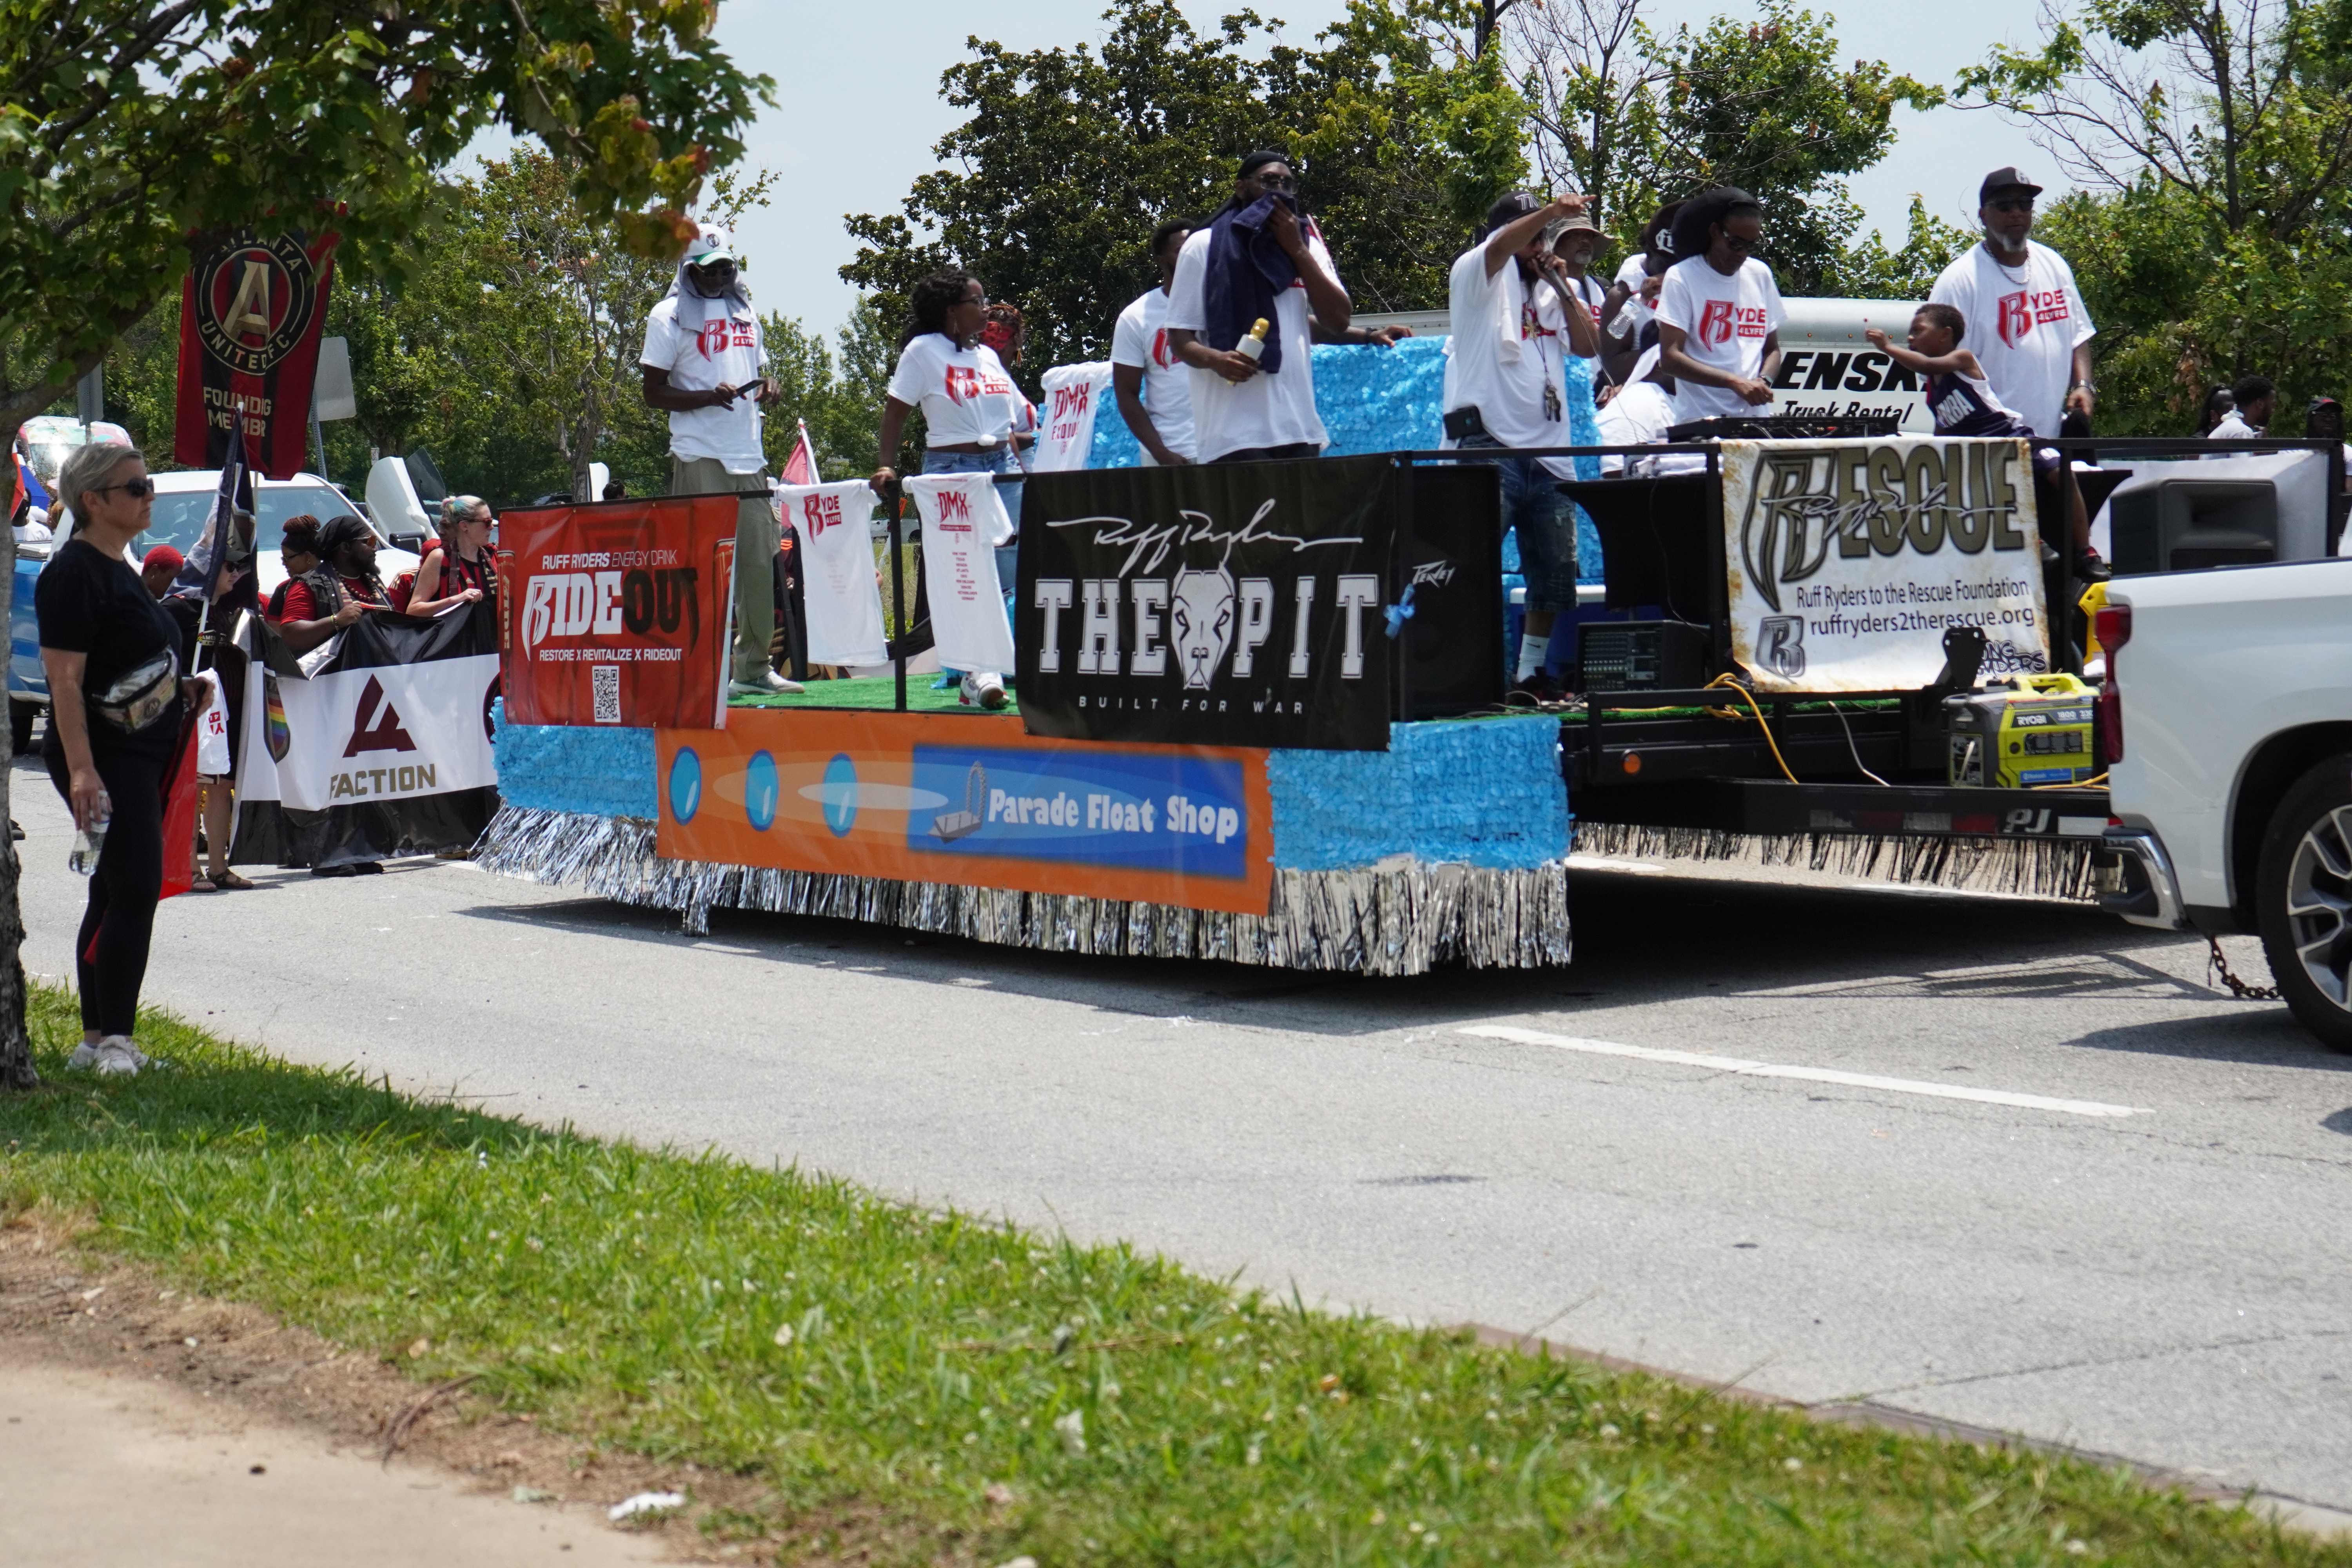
[836,389]
[881,1371]
[133,133]
[1068,157]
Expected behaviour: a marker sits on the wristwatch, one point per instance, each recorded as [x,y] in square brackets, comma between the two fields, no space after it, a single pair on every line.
[2089,386]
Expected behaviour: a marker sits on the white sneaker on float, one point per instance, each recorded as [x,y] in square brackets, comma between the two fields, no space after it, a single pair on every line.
[770,684]
[983,688]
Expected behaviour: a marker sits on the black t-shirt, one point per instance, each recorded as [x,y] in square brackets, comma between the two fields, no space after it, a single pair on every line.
[89,604]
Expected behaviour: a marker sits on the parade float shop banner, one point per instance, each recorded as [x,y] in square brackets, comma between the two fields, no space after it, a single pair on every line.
[944,797]
[1223,605]
[615,613]
[1846,560]
[250,316]
[383,748]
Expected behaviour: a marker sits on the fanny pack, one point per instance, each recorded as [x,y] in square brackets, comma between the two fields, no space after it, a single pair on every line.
[140,698]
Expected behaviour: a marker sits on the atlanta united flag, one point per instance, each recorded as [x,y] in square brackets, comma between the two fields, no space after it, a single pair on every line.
[376,744]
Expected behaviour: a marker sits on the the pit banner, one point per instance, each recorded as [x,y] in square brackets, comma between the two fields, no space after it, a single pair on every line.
[383,748]
[616,612]
[1075,395]
[1846,560]
[959,798]
[250,316]
[1226,604]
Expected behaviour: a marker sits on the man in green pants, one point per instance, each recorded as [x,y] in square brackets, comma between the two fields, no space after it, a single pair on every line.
[705,363]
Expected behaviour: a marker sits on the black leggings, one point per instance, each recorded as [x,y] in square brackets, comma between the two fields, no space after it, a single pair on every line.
[110,953]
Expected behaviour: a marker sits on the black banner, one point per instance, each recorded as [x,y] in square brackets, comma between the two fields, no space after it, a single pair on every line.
[1237,605]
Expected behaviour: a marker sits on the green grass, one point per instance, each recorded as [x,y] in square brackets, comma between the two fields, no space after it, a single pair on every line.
[873,691]
[1138,1413]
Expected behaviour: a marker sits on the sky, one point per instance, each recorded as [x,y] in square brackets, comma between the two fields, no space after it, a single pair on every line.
[859,108]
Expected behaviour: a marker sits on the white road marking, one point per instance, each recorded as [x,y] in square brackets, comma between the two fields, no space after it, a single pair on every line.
[1811,1075]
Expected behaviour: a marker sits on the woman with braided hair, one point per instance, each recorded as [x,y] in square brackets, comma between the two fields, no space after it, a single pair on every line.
[334,594]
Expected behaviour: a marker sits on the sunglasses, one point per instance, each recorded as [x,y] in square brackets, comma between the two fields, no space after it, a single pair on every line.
[1276,181]
[137,490]
[2012,205]
[1742,245]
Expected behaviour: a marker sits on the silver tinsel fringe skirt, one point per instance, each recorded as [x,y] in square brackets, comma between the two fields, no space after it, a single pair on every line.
[2039,867]
[1400,918]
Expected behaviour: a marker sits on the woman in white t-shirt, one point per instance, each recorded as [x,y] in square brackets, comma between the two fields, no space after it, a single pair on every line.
[1719,309]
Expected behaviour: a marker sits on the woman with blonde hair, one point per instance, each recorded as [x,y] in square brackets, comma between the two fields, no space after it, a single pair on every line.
[460,569]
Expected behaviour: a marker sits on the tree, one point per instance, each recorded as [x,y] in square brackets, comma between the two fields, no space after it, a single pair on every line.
[1068,157]
[837,391]
[1640,118]
[135,132]
[2213,235]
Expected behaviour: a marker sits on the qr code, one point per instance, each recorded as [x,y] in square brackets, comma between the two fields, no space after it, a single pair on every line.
[606,680]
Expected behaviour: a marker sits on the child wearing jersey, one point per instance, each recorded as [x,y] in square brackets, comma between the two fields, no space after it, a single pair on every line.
[1962,401]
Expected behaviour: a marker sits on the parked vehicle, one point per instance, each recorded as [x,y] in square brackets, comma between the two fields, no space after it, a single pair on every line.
[2227,724]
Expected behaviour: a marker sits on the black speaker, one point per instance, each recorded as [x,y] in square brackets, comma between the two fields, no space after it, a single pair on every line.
[2186,524]
[1658,545]
[1642,656]
[1449,546]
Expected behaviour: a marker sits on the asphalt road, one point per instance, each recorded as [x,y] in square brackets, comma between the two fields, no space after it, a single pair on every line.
[2134,1241]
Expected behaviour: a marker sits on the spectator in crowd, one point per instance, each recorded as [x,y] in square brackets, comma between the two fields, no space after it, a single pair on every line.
[1260,258]
[2025,319]
[158,567]
[1719,309]
[2254,399]
[297,552]
[1154,388]
[969,410]
[2219,403]
[616,490]
[1505,381]
[460,568]
[117,702]
[704,363]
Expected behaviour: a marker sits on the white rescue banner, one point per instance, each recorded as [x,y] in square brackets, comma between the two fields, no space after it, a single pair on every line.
[387,732]
[842,600]
[963,521]
[1074,395]
[1847,561]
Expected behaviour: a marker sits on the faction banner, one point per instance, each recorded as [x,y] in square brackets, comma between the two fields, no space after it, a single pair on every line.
[1226,604]
[250,317]
[956,798]
[1846,560]
[615,611]
[382,747]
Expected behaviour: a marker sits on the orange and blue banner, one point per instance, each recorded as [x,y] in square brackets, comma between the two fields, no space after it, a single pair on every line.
[970,800]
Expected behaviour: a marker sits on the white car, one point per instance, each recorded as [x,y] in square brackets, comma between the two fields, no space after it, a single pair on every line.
[184,504]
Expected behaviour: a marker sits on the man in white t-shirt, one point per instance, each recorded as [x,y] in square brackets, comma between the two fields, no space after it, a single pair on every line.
[1719,309]
[704,363]
[1154,388]
[1506,387]
[1245,409]
[2026,321]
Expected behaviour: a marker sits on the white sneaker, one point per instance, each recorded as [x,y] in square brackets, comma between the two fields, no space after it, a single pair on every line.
[770,684]
[113,1057]
[983,688]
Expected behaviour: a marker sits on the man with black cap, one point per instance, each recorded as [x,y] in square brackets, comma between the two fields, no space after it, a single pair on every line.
[705,365]
[2026,322]
[1259,258]
[1506,380]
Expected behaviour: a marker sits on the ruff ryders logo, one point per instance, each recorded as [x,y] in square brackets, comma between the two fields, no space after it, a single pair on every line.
[1177,609]
[1861,498]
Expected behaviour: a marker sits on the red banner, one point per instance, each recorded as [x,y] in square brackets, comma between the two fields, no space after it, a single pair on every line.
[616,612]
[250,316]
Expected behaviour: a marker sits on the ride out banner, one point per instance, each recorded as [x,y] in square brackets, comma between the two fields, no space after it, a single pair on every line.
[970,800]
[250,316]
[1229,604]
[615,613]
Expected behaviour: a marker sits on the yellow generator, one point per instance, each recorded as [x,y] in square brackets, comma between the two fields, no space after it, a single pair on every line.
[2036,730]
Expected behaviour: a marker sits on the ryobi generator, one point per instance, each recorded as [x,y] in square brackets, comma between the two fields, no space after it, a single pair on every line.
[2036,730]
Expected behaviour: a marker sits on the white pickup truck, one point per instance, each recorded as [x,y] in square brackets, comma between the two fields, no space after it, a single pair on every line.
[2228,722]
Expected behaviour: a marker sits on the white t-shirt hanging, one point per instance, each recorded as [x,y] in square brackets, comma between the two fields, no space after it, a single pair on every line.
[1503,355]
[1141,340]
[1725,322]
[966,394]
[1266,410]
[726,350]
[2023,325]
[1074,397]
[962,523]
[845,603]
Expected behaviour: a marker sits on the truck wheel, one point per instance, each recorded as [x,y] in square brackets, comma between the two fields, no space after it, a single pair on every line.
[2303,895]
[20,726]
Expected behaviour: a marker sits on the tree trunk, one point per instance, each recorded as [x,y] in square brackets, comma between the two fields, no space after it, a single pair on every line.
[16,1044]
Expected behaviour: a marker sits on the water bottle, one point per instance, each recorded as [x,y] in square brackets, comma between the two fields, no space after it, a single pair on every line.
[88,841]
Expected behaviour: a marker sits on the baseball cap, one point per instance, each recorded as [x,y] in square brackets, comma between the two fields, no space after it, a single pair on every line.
[710,244]
[2009,179]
